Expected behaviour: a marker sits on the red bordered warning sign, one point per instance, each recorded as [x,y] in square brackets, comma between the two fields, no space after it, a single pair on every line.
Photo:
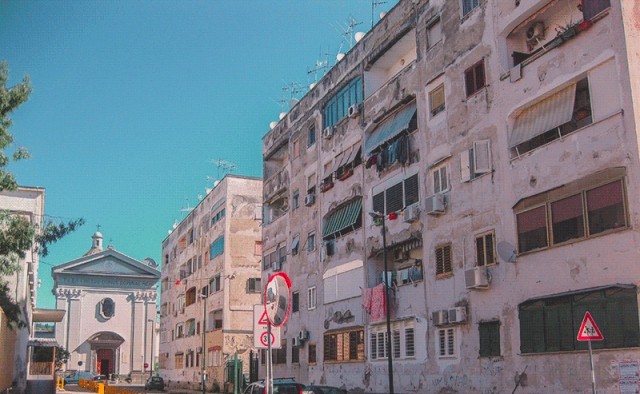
[589,331]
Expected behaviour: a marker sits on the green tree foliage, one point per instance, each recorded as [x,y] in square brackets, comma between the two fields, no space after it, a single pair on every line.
[62,356]
[17,234]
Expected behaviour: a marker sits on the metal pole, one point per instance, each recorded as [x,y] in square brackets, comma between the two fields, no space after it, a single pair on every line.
[269,385]
[387,279]
[153,336]
[593,372]
[204,334]
[235,373]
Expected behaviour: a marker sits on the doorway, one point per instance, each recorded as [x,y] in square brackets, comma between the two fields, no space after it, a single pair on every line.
[104,362]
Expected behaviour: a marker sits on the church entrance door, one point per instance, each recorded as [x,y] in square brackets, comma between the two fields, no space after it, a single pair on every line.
[105,362]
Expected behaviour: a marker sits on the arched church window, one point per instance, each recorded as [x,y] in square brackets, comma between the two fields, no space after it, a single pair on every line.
[107,308]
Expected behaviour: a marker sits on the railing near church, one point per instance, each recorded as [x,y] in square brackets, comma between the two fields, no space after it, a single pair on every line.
[41,368]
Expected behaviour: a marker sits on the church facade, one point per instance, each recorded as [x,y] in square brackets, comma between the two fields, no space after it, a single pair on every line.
[110,299]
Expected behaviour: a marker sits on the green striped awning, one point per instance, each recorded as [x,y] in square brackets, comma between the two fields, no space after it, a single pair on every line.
[345,216]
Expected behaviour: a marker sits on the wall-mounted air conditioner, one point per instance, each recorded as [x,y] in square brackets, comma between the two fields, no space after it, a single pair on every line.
[457,315]
[327,133]
[296,342]
[310,199]
[354,110]
[436,204]
[276,265]
[440,318]
[535,32]
[303,335]
[412,213]
[476,278]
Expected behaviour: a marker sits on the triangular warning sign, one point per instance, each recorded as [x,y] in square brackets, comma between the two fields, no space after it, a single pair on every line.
[588,330]
[263,318]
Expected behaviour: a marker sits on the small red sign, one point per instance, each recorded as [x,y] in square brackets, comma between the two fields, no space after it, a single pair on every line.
[589,331]
[146,365]
[263,318]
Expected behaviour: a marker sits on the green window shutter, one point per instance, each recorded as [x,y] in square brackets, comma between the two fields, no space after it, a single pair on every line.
[532,329]
[411,190]
[378,202]
[490,339]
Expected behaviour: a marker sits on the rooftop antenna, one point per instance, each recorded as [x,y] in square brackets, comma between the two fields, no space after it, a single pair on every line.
[374,4]
[187,207]
[348,29]
[321,65]
[294,88]
[223,166]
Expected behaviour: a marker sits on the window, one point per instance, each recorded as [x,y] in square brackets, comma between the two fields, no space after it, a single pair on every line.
[295,200]
[311,298]
[339,282]
[344,346]
[179,360]
[179,330]
[311,136]
[295,354]
[398,196]
[436,100]
[434,33]
[295,301]
[215,283]
[468,6]
[216,248]
[190,296]
[254,285]
[440,179]
[190,327]
[217,217]
[443,260]
[476,161]
[559,218]
[280,355]
[343,220]
[338,106]
[489,339]
[446,342]
[295,244]
[311,242]
[402,341]
[215,358]
[485,249]
[474,79]
[312,353]
[591,8]
[551,118]
[296,149]
[551,324]
[107,308]
[214,321]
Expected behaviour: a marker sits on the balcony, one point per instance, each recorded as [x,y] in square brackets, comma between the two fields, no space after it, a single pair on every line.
[277,184]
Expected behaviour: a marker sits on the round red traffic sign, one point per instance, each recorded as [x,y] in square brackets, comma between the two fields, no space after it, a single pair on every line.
[264,338]
[146,365]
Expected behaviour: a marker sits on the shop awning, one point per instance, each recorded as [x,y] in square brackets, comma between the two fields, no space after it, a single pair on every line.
[342,218]
[43,342]
[389,128]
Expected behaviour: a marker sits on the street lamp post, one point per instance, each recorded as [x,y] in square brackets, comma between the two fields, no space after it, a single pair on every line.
[204,332]
[377,215]
[153,339]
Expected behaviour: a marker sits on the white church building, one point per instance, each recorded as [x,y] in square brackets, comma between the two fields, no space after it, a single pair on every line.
[110,300]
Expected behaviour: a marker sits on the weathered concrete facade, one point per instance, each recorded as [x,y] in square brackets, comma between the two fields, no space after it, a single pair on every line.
[27,202]
[214,251]
[509,144]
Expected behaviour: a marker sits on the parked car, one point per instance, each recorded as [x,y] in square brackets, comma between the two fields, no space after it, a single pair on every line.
[154,383]
[280,386]
[99,378]
[323,390]
[75,376]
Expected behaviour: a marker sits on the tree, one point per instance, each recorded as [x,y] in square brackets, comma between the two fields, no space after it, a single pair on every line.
[62,356]
[17,235]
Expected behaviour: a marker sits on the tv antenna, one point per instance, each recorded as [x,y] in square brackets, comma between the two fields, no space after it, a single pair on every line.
[348,29]
[321,65]
[187,206]
[294,88]
[224,166]
[374,4]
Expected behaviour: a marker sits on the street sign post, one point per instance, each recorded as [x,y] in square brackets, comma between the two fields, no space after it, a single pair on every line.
[277,306]
[260,330]
[589,331]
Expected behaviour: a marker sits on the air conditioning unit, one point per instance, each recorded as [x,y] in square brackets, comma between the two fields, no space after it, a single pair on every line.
[303,335]
[310,199]
[440,318]
[436,204]
[276,266]
[297,342]
[457,315]
[476,278]
[535,32]
[354,110]
[412,213]
[327,133]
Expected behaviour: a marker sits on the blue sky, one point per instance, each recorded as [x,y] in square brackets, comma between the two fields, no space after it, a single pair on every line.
[133,100]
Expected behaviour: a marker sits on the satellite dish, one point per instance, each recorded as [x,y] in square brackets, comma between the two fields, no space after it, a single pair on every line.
[340,56]
[313,85]
[282,115]
[506,251]
[293,102]
[272,125]
[383,14]
[358,36]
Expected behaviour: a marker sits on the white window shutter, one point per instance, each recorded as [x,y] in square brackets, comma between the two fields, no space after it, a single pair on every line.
[482,156]
[465,165]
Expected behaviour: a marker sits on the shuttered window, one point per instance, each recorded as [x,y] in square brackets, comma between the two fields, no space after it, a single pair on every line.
[397,197]
[443,260]
[489,339]
[436,100]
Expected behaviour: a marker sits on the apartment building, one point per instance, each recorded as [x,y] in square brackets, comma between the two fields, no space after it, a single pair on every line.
[210,269]
[498,139]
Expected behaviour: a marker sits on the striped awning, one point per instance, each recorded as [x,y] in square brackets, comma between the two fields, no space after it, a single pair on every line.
[389,128]
[345,216]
